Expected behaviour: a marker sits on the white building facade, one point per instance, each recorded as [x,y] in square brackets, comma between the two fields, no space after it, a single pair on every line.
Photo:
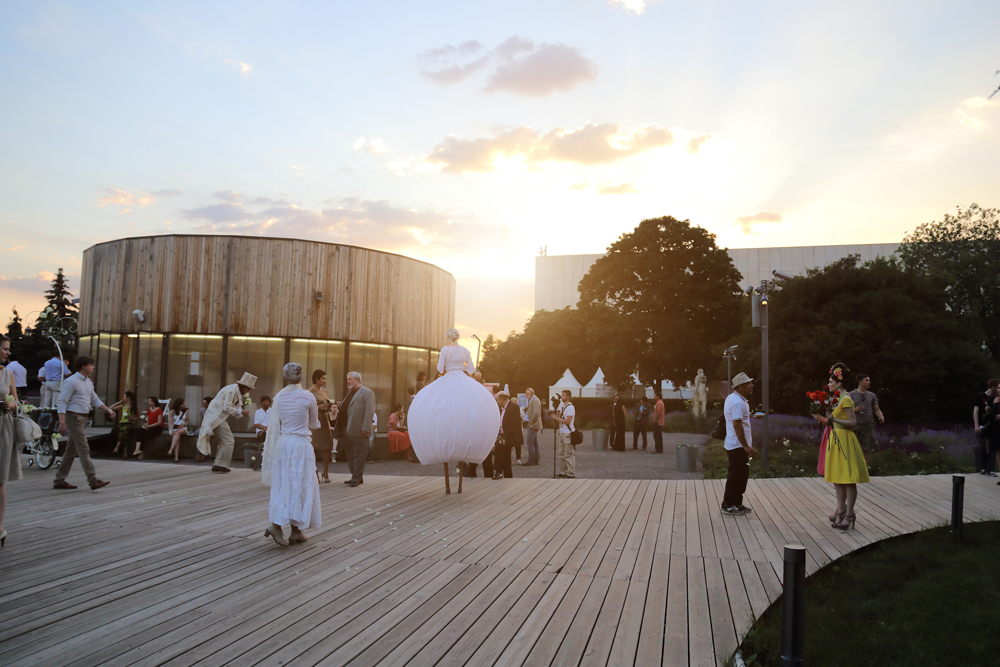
[557,277]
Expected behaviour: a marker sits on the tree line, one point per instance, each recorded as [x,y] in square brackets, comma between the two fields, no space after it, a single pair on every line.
[31,345]
[666,300]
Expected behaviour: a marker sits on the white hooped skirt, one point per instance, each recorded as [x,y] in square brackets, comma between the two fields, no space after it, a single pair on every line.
[294,488]
[454,418]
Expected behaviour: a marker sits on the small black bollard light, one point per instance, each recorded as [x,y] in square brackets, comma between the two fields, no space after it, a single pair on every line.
[957,502]
[793,602]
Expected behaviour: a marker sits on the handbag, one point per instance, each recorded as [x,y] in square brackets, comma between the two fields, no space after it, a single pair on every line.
[719,432]
[575,438]
[25,428]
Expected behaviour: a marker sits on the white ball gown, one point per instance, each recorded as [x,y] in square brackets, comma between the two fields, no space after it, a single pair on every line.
[454,418]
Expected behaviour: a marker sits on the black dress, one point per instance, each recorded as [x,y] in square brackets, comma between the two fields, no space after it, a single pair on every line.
[618,427]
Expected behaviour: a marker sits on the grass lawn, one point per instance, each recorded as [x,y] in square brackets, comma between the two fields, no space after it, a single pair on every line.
[924,599]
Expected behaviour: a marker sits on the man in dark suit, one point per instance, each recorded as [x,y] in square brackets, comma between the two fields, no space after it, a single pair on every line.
[510,430]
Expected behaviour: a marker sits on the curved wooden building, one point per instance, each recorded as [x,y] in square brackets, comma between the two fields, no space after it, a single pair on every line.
[213,307]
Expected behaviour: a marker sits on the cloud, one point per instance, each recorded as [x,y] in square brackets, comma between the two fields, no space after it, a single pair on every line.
[695,143]
[748,222]
[617,189]
[518,66]
[542,71]
[132,200]
[375,146]
[240,65]
[36,284]
[604,143]
[974,112]
[636,6]
[366,222]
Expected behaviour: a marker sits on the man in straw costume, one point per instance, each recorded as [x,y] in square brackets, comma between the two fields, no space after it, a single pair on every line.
[227,403]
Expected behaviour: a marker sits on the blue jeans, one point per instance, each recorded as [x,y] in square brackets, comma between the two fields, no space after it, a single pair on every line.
[532,446]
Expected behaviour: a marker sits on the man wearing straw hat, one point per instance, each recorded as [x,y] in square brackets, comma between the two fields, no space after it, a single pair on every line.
[227,403]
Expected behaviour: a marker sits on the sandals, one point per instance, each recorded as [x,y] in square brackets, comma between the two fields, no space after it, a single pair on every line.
[326,479]
[845,523]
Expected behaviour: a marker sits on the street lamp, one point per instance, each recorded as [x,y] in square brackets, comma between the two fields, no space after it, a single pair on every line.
[479,344]
[730,356]
[759,318]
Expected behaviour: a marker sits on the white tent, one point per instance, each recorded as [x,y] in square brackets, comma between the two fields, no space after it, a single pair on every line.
[596,387]
[567,381]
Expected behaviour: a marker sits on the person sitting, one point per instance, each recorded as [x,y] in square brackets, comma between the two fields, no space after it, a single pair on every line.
[399,439]
[177,424]
[153,427]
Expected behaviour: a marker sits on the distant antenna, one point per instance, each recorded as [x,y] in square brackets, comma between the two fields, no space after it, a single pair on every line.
[543,251]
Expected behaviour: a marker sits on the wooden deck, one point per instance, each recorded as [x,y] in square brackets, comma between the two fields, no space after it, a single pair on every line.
[169,566]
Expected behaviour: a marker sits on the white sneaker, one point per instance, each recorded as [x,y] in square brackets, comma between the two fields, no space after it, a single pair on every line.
[519,462]
[991,474]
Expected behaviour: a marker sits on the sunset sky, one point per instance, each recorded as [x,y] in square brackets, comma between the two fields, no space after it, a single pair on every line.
[470,134]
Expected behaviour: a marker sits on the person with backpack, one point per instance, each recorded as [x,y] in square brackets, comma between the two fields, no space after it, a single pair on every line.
[565,449]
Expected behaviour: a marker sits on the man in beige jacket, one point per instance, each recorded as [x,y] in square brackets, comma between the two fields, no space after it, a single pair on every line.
[533,415]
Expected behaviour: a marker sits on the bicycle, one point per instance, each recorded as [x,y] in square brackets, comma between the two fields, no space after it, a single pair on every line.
[44,451]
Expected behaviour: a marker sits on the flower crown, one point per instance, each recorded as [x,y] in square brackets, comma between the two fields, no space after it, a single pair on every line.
[837,372]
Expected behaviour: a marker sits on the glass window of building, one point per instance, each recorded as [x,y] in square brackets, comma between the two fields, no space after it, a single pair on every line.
[194,370]
[149,370]
[432,371]
[326,355]
[374,363]
[410,362]
[85,348]
[106,380]
[263,357]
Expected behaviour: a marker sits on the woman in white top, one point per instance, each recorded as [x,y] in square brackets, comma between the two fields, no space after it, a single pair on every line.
[177,423]
[453,418]
[289,466]
[10,464]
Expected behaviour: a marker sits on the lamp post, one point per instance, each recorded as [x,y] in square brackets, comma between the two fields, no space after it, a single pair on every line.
[730,356]
[479,344]
[760,319]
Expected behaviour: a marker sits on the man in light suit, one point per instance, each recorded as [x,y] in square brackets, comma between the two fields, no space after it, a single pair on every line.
[533,415]
[354,423]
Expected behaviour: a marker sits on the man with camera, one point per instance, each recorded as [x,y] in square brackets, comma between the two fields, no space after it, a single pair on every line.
[565,450]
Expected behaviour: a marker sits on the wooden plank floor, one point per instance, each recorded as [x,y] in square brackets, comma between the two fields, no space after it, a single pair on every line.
[169,566]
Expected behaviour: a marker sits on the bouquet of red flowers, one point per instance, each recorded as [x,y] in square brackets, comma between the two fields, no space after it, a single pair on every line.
[823,402]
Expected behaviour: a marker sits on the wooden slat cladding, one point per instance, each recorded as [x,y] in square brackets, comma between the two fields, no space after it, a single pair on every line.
[253,286]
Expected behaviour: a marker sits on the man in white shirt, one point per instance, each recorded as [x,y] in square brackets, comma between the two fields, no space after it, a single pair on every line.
[261,417]
[565,452]
[20,374]
[75,402]
[738,445]
[51,375]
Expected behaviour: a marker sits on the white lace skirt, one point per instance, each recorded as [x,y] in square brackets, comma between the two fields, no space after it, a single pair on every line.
[294,488]
[454,418]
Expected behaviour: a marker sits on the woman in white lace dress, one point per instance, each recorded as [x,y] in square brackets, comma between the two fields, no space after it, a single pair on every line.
[289,465]
[454,418]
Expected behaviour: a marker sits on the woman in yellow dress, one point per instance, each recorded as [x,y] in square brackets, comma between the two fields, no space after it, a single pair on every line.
[845,462]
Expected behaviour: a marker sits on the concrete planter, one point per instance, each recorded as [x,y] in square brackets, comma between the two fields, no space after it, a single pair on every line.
[687,458]
[599,439]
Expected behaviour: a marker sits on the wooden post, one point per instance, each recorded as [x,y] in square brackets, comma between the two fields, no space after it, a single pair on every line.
[447,480]
[460,476]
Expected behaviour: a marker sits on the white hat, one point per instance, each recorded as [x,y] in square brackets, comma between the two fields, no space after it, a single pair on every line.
[742,378]
[248,380]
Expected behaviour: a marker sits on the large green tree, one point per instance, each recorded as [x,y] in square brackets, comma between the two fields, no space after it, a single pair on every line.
[879,318]
[665,298]
[552,341]
[962,252]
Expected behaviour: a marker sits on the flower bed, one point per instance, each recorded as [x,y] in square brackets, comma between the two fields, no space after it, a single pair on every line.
[914,449]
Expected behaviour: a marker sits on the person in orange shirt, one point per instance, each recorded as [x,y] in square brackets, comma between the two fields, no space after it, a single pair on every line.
[658,423]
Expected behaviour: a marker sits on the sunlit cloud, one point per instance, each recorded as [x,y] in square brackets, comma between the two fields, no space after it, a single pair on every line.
[371,223]
[604,143]
[129,201]
[695,143]
[749,223]
[617,189]
[240,65]
[518,66]
[36,284]
[635,6]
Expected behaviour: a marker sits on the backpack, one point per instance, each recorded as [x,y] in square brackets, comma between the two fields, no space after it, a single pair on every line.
[719,432]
